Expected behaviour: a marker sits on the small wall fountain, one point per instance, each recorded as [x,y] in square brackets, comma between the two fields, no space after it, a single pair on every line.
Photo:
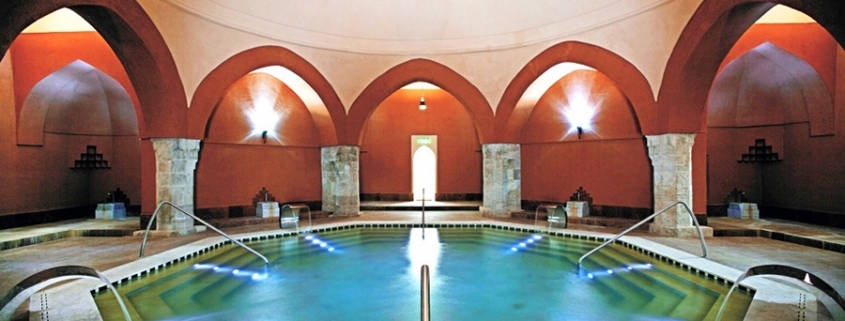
[579,203]
[739,207]
[265,204]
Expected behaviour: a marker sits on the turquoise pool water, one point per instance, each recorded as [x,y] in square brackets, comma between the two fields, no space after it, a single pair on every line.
[374,274]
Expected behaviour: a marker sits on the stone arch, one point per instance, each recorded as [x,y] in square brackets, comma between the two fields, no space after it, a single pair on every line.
[629,79]
[791,91]
[328,118]
[705,41]
[135,40]
[419,70]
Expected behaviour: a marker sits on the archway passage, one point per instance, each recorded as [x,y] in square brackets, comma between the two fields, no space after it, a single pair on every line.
[386,171]
[772,121]
[424,168]
[137,43]
[509,121]
[419,70]
[328,115]
[704,43]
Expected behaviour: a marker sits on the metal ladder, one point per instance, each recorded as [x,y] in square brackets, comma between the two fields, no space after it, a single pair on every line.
[611,240]
[158,208]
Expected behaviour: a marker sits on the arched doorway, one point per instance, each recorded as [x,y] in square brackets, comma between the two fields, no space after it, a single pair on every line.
[771,125]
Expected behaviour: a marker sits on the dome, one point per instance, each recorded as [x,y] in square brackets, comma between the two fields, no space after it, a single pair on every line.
[414,27]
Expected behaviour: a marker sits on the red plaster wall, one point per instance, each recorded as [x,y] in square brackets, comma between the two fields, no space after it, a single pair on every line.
[232,167]
[385,161]
[810,177]
[37,55]
[612,163]
[39,178]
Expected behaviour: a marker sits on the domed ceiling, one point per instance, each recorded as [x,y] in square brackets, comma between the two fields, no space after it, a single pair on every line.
[414,27]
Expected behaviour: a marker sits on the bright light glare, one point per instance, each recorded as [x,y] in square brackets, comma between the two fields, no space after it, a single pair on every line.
[581,108]
[262,115]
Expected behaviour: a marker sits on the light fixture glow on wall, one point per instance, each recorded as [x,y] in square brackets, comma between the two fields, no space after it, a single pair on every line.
[422,98]
[262,114]
[580,110]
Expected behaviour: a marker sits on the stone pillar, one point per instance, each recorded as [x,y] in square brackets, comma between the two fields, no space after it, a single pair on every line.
[502,179]
[340,180]
[176,159]
[671,159]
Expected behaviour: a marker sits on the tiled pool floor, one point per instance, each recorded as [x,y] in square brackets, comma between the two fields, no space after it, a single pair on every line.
[106,252]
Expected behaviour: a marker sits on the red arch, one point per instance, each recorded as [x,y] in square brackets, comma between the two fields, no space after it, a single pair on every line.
[212,88]
[708,37]
[419,70]
[629,79]
[135,41]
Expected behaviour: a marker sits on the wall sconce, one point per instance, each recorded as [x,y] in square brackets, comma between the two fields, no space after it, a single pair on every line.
[580,131]
[264,137]
[422,104]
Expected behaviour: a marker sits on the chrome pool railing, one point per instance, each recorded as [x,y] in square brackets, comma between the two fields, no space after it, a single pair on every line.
[42,279]
[787,271]
[158,208]
[611,240]
[425,294]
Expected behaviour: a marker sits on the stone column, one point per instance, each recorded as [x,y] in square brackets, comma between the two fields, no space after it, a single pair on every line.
[176,159]
[502,179]
[340,180]
[671,159]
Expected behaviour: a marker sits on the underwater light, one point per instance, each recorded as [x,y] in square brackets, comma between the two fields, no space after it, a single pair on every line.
[537,237]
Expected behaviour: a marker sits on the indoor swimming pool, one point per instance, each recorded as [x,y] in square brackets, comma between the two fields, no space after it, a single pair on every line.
[477,273]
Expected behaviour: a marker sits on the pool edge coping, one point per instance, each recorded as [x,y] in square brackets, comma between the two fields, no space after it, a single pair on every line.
[765,292]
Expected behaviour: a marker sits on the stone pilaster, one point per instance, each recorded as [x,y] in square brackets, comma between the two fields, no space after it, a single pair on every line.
[671,159]
[502,179]
[176,159]
[340,180]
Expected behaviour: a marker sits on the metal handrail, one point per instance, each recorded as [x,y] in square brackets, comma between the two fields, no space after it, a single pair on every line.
[423,213]
[700,233]
[158,208]
[425,294]
[33,283]
[787,271]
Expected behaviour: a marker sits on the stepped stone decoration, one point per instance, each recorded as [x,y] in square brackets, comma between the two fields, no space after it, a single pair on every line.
[117,196]
[735,196]
[265,204]
[340,180]
[502,179]
[263,196]
[759,153]
[581,195]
